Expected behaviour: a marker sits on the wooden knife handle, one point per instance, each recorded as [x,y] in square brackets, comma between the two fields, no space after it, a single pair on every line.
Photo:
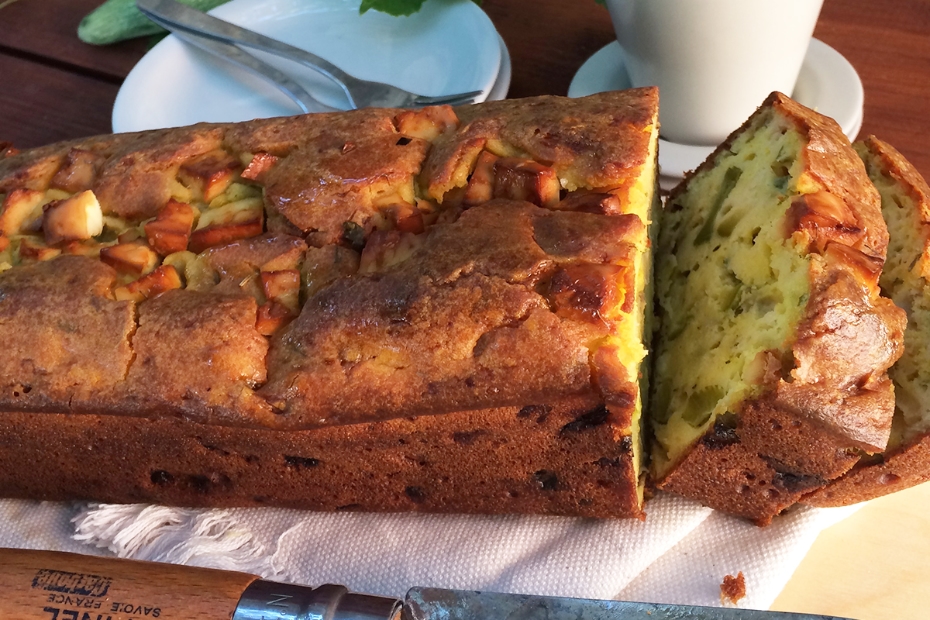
[48,585]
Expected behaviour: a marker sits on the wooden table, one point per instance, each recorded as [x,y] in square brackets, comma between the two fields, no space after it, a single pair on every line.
[873,565]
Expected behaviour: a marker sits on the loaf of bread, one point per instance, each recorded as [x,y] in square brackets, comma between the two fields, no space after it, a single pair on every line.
[381,310]
[906,280]
[773,342]
[451,311]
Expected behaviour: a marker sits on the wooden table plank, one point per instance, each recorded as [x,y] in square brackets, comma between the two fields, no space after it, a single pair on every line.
[550,41]
[48,29]
[41,104]
[889,45]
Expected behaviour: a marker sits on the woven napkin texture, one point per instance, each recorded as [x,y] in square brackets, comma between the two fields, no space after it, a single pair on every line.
[678,554]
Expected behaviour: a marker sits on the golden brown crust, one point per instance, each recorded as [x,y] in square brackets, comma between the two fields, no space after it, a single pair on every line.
[197,355]
[895,470]
[281,136]
[343,179]
[35,168]
[234,269]
[65,340]
[909,180]
[834,167]
[844,347]
[454,325]
[611,144]
[899,168]
[564,458]
[908,464]
[135,182]
[30,171]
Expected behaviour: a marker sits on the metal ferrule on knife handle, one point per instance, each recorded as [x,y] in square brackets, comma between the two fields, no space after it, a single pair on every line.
[269,600]
[49,585]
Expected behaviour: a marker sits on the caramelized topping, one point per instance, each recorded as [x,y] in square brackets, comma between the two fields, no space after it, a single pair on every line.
[165,278]
[283,287]
[170,231]
[523,179]
[512,178]
[21,212]
[237,220]
[271,317]
[426,123]
[259,166]
[590,202]
[866,269]
[79,171]
[405,217]
[822,217]
[480,186]
[323,266]
[589,292]
[211,174]
[386,249]
[134,258]
[33,249]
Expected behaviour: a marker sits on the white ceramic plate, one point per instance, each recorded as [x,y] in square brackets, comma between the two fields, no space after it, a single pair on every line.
[827,83]
[502,84]
[447,47]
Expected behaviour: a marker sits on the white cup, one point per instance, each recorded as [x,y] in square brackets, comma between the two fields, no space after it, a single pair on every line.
[714,61]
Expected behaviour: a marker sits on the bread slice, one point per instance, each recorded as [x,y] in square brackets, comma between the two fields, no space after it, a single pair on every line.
[382,309]
[906,280]
[771,355]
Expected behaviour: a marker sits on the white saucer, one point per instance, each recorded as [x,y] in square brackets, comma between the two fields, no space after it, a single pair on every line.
[502,84]
[827,83]
[446,47]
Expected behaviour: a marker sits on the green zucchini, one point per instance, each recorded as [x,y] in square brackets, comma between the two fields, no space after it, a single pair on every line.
[117,20]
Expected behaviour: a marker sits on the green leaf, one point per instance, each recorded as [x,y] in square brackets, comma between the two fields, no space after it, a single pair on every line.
[392,7]
[396,7]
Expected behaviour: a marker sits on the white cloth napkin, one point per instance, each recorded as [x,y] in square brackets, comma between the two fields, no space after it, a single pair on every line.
[679,554]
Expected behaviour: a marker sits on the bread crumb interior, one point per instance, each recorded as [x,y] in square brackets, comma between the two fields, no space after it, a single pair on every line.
[731,287]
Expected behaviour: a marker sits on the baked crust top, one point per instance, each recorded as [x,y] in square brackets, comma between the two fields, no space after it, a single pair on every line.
[333,282]
[461,321]
[65,340]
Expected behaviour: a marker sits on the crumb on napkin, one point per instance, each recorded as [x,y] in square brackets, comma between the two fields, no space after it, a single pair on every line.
[732,589]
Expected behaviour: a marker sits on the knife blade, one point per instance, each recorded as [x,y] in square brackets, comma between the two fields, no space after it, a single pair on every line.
[47,585]
[439,604]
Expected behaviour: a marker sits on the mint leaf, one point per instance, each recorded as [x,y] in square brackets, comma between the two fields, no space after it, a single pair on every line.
[392,7]
[396,7]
